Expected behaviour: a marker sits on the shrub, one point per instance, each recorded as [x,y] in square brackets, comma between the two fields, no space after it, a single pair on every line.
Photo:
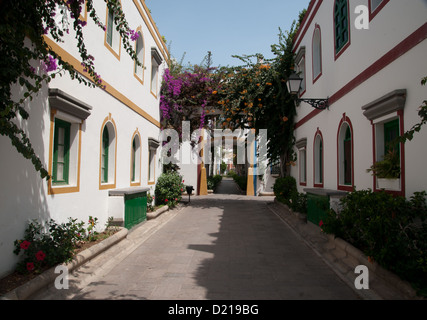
[213,181]
[241,181]
[390,230]
[43,248]
[285,190]
[169,189]
[150,199]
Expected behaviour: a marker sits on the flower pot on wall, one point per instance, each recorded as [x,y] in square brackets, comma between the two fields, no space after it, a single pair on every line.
[388,184]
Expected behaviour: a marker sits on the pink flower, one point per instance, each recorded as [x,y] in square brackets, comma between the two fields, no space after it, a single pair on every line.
[30,266]
[321,223]
[25,244]
[166,200]
[40,255]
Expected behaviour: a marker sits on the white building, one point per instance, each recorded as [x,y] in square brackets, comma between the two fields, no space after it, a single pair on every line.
[373,80]
[94,142]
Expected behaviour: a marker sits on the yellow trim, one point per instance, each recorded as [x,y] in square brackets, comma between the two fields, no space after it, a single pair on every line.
[141,80]
[105,186]
[110,89]
[203,178]
[135,183]
[62,190]
[155,33]
[117,55]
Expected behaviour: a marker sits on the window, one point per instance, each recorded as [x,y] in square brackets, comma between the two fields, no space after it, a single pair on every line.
[139,70]
[391,132]
[375,6]
[318,160]
[61,150]
[342,29]
[107,162]
[112,36]
[156,61]
[317,54]
[151,162]
[135,165]
[300,68]
[386,116]
[345,155]
[104,155]
[154,76]
[302,157]
[67,117]
[152,150]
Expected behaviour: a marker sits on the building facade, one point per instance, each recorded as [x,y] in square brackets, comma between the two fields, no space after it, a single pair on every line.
[93,141]
[372,77]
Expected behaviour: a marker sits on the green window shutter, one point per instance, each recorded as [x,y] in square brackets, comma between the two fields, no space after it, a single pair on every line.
[133,159]
[104,156]
[341,24]
[347,158]
[61,152]
[321,161]
[391,132]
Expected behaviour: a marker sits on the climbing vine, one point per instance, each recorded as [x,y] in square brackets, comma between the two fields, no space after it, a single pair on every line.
[28,62]
[250,96]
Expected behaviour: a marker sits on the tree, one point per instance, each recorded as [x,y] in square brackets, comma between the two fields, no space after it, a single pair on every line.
[255,96]
[409,135]
[28,61]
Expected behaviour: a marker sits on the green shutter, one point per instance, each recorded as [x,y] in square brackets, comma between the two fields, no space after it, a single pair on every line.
[341,24]
[347,158]
[133,159]
[61,152]
[104,156]
[391,132]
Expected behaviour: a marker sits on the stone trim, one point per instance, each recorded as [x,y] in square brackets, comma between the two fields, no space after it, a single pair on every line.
[391,102]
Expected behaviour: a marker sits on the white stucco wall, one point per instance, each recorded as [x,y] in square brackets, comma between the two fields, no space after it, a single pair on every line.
[392,25]
[24,195]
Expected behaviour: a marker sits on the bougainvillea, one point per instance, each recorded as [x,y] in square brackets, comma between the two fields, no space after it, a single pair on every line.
[186,95]
[27,59]
[250,96]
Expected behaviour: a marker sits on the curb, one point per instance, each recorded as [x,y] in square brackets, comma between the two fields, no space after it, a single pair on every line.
[28,289]
[344,257]
[48,277]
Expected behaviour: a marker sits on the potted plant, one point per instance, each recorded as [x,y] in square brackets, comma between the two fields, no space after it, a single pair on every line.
[387,171]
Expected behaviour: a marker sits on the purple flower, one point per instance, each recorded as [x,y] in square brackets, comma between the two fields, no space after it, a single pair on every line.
[50,64]
[134,35]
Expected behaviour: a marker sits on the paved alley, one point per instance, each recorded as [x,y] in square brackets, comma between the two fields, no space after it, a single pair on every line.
[221,247]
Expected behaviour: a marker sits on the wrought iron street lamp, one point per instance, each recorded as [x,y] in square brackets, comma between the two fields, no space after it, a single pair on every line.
[294,86]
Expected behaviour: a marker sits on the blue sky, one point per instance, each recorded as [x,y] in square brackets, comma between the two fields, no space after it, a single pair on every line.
[224,27]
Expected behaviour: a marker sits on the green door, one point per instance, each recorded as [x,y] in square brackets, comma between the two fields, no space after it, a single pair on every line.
[135,209]
[317,208]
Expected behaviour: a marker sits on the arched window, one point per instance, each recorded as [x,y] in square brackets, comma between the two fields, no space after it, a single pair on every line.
[104,155]
[112,36]
[341,26]
[318,160]
[140,55]
[108,149]
[345,155]
[317,53]
[135,165]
